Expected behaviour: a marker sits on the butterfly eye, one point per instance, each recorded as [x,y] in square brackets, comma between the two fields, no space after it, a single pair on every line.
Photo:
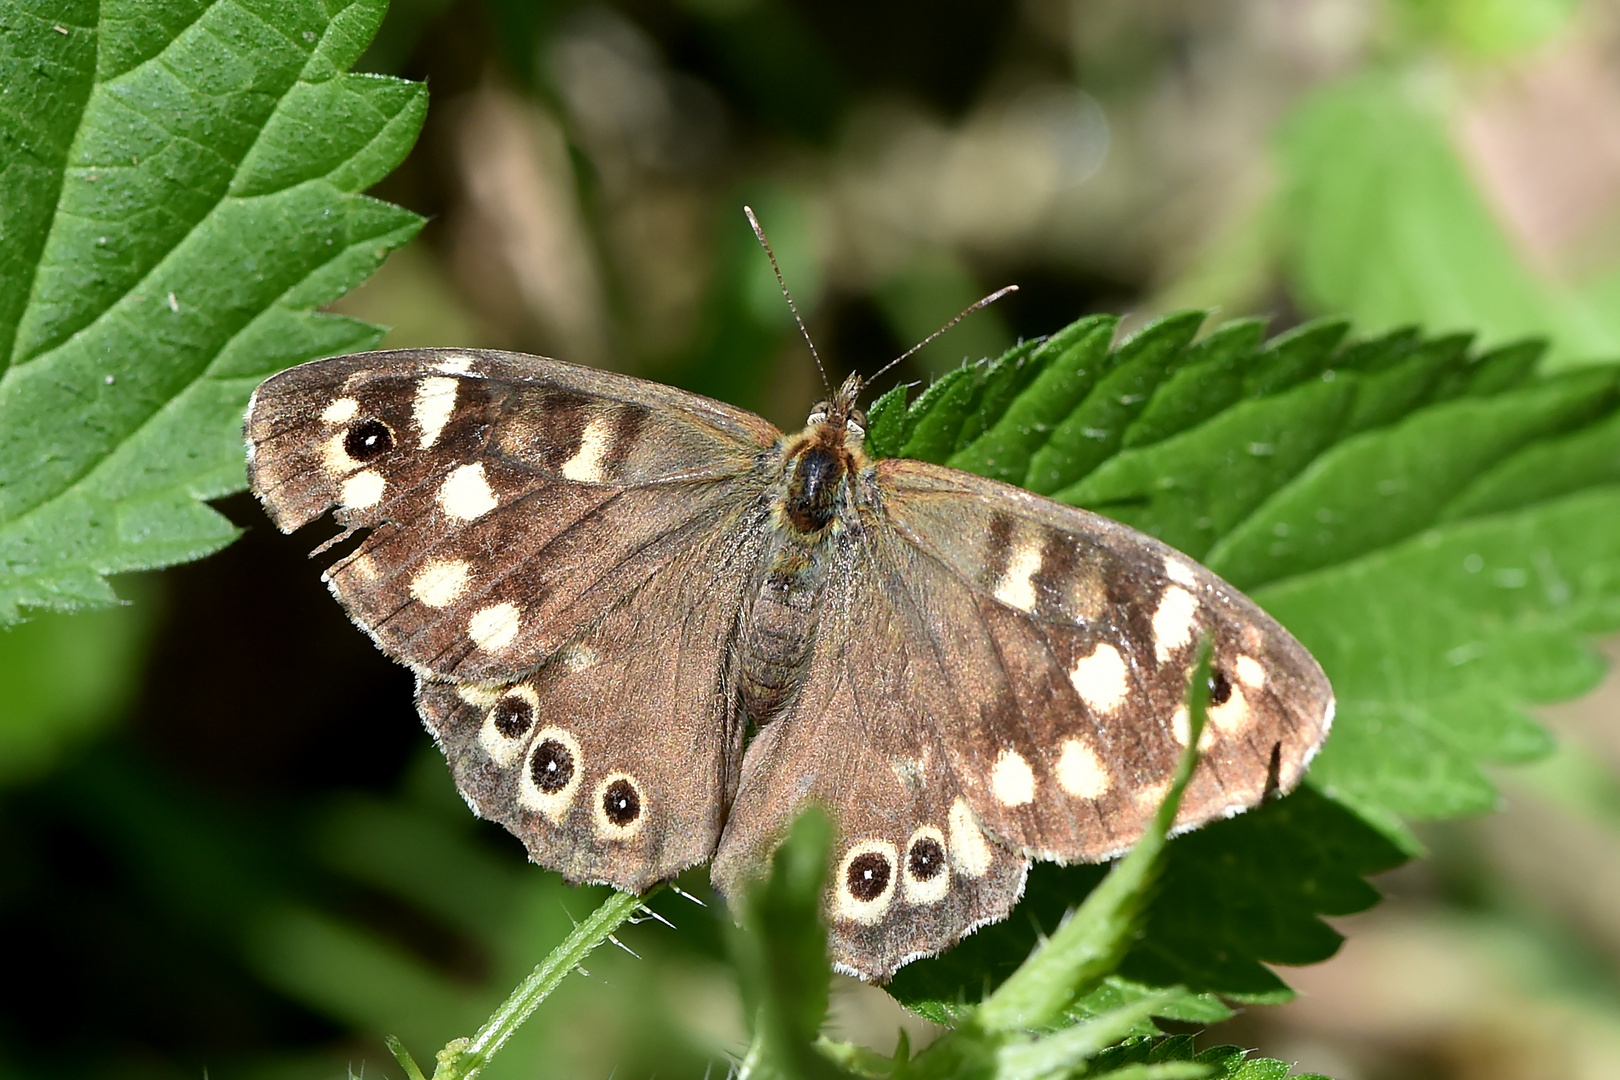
[867,876]
[513,716]
[552,766]
[368,439]
[926,858]
[818,412]
[1220,688]
[621,802]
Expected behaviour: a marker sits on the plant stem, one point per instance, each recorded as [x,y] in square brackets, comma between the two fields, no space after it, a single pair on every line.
[463,1058]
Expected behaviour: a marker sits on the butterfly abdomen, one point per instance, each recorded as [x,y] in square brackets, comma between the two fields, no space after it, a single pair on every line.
[779,625]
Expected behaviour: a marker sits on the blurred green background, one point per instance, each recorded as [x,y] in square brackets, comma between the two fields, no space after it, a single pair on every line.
[225,843]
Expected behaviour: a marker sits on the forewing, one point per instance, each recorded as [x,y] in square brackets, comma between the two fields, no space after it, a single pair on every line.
[1068,641]
[511,500]
[613,762]
[911,869]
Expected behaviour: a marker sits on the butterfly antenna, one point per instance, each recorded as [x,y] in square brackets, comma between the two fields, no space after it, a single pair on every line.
[964,313]
[777,270]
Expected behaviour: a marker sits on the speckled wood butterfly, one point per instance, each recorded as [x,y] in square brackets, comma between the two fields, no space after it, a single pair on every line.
[648,628]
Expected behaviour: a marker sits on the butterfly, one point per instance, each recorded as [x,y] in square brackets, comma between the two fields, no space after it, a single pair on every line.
[649,629]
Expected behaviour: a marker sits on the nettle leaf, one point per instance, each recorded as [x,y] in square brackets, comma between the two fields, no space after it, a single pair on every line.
[1440,525]
[180,194]
[1220,1062]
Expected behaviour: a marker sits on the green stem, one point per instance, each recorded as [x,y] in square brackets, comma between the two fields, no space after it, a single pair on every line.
[463,1058]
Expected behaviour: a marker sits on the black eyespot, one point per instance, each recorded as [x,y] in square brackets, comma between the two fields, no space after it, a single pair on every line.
[926,858]
[513,715]
[621,803]
[368,439]
[552,766]
[868,876]
[1220,687]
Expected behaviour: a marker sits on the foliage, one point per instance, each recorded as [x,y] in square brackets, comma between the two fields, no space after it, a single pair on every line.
[180,194]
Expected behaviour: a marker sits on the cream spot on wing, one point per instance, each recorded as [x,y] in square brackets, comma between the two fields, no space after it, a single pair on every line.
[925,873]
[970,851]
[508,719]
[1149,796]
[1174,622]
[1180,573]
[865,885]
[620,809]
[1181,728]
[435,401]
[440,583]
[363,489]
[479,694]
[465,494]
[362,567]
[1251,672]
[1101,679]
[577,658]
[551,773]
[1011,781]
[1017,585]
[341,411]
[585,466]
[455,363]
[335,455]
[1234,715]
[494,628]
[1080,771]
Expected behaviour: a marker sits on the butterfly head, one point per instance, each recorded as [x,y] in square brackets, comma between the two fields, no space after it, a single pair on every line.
[841,419]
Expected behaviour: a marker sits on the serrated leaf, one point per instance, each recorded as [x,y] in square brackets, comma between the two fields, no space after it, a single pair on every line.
[1221,1062]
[1096,427]
[1435,646]
[1290,358]
[1330,488]
[1197,486]
[1211,380]
[1234,896]
[1380,487]
[1004,379]
[886,428]
[939,414]
[1070,361]
[176,255]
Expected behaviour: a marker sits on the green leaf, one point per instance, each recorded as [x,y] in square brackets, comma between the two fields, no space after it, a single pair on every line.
[1383,224]
[1220,1062]
[1234,896]
[781,955]
[63,678]
[939,414]
[185,197]
[1436,645]
[1096,427]
[1380,487]
[1440,526]
[1069,364]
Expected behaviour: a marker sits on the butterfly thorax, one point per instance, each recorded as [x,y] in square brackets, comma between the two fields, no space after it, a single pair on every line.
[812,514]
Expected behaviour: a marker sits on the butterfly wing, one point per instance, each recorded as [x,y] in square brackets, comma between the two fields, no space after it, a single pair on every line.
[1081,635]
[1027,663]
[511,500]
[561,554]
[911,869]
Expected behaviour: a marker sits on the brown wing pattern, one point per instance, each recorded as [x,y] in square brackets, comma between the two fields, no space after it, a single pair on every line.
[911,869]
[551,493]
[561,554]
[615,760]
[1072,638]
[1005,676]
